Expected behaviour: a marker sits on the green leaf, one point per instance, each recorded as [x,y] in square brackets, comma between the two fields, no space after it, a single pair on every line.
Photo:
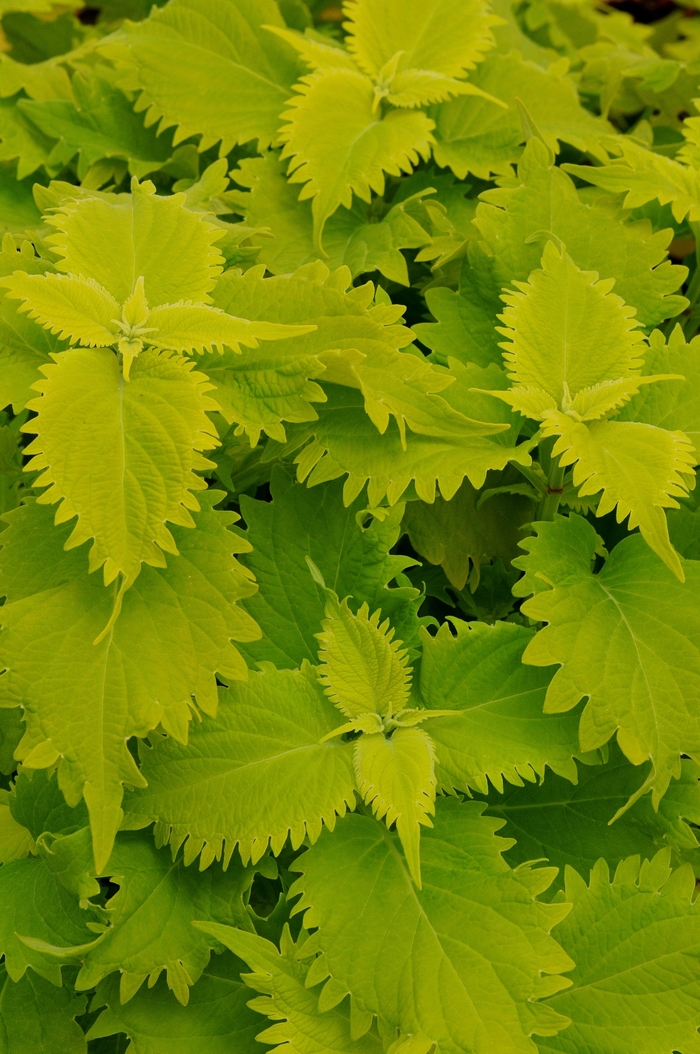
[461,534]
[22,141]
[157,239]
[351,237]
[257,774]
[638,468]
[222,52]
[300,1024]
[150,918]
[473,134]
[158,426]
[423,966]
[81,701]
[346,442]
[362,668]
[646,176]
[216,1018]
[635,941]
[569,823]
[566,330]
[448,37]
[675,404]
[354,560]
[396,776]
[513,221]
[36,802]
[11,731]
[35,903]
[15,841]
[77,309]
[356,147]
[101,123]
[628,638]
[499,730]
[38,1018]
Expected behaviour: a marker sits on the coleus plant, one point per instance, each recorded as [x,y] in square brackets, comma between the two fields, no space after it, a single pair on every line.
[350,551]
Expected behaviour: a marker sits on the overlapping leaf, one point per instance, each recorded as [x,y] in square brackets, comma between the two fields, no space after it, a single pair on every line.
[38,1018]
[628,638]
[81,701]
[215,793]
[428,943]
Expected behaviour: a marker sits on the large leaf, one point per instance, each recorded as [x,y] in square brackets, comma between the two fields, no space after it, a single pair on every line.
[636,942]
[233,75]
[101,123]
[513,221]
[340,145]
[674,404]
[216,1018]
[355,561]
[121,457]
[150,237]
[81,701]
[38,1018]
[499,730]
[257,774]
[569,823]
[431,966]
[627,637]
[344,441]
[640,470]
[447,36]
[300,1024]
[567,331]
[473,134]
[351,237]
[20,140]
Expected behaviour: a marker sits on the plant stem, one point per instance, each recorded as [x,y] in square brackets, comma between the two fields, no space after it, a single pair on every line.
[550,501]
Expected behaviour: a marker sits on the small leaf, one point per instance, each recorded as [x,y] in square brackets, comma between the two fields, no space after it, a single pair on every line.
[363,669]
[396,776]
[75,308]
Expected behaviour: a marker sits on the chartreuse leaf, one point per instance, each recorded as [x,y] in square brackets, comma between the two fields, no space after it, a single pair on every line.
[640,470]
[216,792]
[497,729]
[216,1018]
[566,332]
[22,141]
[150,237]
[15,840]
[100,124]
[646,176]
[396,776]
[300,1024]
[11,731]
[363,669]
[355,560]
[35,903]
[81,701]
[344,441]
[339,145]
[460,534]
[635,941]
[38,1018]
[447,37]
[424,967]
[569,823]
[36,802]
[126,464]
[351,237]
[75,308]
[513,221]
[348,340]
[628,638]
[676,404]
[474,134]
[222,53]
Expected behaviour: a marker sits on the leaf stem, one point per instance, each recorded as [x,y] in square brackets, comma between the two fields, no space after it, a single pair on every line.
[555,489]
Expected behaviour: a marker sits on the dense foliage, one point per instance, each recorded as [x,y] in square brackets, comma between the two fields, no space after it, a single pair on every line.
[350,552]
